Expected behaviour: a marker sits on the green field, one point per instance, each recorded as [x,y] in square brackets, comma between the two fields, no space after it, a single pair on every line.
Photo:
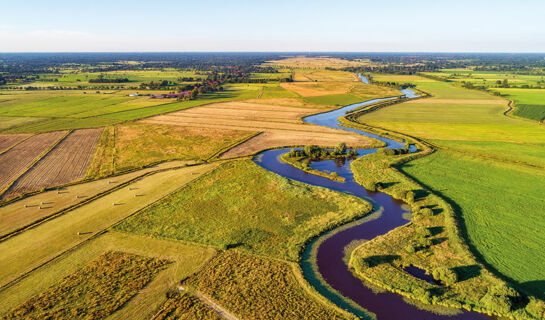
[501,205]
[453,113]
[529,103]
[275,217]
[42,111]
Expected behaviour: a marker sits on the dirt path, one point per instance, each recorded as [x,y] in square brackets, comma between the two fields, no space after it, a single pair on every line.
[224,313]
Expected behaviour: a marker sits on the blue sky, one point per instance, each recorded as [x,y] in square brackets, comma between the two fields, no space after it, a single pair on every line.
[280,25]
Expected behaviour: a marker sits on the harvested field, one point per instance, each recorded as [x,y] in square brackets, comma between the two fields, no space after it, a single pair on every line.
[8,140]
[310,89]
[58,235]
[66,163]
[281,125]
[279,138]
[24,212]
[17,160]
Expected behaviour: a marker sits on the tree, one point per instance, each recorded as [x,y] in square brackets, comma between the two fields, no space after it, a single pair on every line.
[340,149]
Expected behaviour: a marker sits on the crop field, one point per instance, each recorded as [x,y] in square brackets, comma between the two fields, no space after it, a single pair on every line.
[317,62]
[54,237]
[28,210]
[281,124]
[501,205]
[488,78]
[66,162]
[43,111]
[251,287]
[21,157]
[183,261]
[480,120]
[136,145]
[275,217]
[95,291]
[529,103]
[8,140]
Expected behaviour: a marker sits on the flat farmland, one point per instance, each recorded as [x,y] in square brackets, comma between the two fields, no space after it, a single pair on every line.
[18,159]
[24,212]
[55,236]
[282,125]
[66,162]
[8,140]
[135,145]
[318,62]
[184,261]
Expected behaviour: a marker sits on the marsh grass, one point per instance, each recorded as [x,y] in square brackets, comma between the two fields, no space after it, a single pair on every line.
[242,205]
[94,291]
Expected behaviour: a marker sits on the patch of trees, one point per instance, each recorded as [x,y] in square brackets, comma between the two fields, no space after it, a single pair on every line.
[316,152]
[102,79]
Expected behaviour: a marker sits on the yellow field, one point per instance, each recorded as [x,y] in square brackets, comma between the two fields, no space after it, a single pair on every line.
[186,259]
[24,212]
[54,237]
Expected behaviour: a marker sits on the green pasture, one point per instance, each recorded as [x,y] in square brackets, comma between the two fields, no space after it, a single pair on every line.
[242,205]
[58,110]
[529,103]
[501,206]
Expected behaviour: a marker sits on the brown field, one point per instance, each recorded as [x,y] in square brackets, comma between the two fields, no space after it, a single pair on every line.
[279,138]
[318,62]
[8,140]
[312,89]
[65,163]
[280,125]
[17,160]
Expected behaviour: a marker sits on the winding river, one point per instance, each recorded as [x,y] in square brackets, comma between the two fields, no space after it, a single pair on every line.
[323,261]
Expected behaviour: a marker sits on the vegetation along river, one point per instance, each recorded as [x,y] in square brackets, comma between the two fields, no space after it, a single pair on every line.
[323,260]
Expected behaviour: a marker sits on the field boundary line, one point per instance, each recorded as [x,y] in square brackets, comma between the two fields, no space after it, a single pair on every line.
[43,155]
[96,235]
[219,153]
[16,144]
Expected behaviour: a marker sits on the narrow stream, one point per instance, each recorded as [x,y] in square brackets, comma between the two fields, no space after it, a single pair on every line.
[327,251]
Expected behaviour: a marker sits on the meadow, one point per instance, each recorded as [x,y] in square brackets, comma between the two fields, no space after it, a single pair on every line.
[182,261]
[271,215]
[135,145]
[501,206]
[529,103]
[41,111]
[95,291]
[492,180]
[251,286]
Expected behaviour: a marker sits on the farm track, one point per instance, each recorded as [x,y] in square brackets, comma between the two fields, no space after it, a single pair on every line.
[66,162]
[21,157]
[224,313]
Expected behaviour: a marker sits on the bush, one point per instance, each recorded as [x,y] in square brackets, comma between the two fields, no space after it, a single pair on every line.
[409,197]
[371,186]
[410,248]
[359,264]
[445,275]
[536,308]
[426,212]
[500,298]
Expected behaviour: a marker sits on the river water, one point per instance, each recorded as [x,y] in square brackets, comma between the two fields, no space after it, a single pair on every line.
[327,251]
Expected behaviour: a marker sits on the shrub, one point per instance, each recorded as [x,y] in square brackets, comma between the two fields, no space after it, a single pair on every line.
[536,308]
[445,275]
[426,212]
[501,298]
[409,197]
[370,186]
[359,264]
[410,248]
